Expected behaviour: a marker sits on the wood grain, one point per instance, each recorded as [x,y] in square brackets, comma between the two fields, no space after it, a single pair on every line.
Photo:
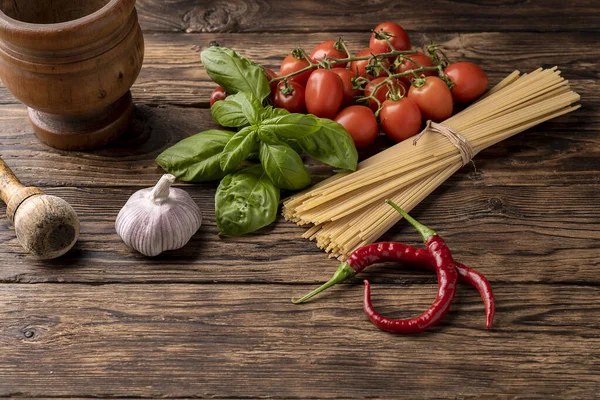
[335,15]
[232,341]
[552,152]
[511,234]
[214,320]
[172,73]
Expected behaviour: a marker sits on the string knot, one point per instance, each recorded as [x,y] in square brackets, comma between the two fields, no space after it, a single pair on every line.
[464,147]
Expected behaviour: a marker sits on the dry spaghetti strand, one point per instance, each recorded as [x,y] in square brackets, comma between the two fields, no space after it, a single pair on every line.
[347,210]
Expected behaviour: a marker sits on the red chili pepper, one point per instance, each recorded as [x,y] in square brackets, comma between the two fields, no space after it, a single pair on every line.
[447,278]
[392,251]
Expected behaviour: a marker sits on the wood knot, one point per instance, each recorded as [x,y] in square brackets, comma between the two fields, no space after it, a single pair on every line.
[222,16]
[496,204]
[28,333]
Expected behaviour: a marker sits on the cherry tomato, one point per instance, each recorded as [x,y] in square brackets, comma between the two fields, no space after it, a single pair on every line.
[400,119]
[349,93]
[291,64]
[360,123]
[433,99]
[324,93]
[270,76]
[358,67]
[294,101]
[328,49]
[382,91]
[469,79]
[218,94]
[399,39]
[407,64]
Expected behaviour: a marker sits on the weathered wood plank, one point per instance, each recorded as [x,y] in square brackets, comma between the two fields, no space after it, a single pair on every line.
[249,341]
[564,151]
[542,234]
[335,15]
[172,72]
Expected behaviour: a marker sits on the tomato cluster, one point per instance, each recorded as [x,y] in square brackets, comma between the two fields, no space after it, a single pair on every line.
[387,82]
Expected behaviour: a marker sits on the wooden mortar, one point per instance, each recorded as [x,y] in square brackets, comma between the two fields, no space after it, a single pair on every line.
[46,226]
[72,62]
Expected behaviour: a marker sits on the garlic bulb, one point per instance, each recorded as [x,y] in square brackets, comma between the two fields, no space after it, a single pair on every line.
[158,219]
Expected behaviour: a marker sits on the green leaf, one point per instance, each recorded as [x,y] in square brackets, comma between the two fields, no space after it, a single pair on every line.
[235,73]
[284,166]
[245,202]
[196,158]
[271,112]
[237,110]
[251,107]
[331,144]
[290,126]
[238,148]
[229,113]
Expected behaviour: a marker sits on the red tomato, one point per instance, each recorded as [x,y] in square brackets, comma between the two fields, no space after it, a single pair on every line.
[358,67]
[399,39]
[294,101]
[349,93]
[469,79]
[291,64]
[382,92]
[433,99]
[270,76]
[328,49]
[407,64]
[324,93]
[400,119]
[360,123]
[217,94]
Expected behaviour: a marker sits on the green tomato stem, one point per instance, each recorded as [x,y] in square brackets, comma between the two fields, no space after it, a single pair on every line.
[350,58]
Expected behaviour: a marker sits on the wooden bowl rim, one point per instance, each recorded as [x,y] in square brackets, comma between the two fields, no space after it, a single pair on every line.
[15,25]
[68,34]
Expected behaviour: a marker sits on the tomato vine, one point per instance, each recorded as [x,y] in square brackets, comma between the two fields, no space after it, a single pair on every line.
[377,62]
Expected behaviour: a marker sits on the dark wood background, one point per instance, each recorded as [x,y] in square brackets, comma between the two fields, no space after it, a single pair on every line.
[214,319]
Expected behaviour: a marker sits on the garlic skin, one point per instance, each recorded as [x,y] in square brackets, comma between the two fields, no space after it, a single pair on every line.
[158,219]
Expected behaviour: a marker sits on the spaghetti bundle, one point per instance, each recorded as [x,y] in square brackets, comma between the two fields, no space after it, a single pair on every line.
[348,211]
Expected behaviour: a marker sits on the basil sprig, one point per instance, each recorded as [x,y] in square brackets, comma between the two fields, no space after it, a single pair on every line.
[246,201]
[235,73]
[274,136]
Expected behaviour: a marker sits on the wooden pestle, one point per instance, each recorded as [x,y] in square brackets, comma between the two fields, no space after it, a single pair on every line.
[46,226]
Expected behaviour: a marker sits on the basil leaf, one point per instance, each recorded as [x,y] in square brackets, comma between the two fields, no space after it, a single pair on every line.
[284,166]
[229,113]
[271,112]
[251,107]
[237,110]
[238,148]
[331,144]
[196,158]
[294,145]
[245,202]
[235,73]
[290,126]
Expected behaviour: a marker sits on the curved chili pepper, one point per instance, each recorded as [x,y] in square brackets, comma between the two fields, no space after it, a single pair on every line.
[447,278]
[393,251]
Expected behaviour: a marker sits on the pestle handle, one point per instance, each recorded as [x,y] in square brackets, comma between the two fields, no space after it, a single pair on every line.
[12,191]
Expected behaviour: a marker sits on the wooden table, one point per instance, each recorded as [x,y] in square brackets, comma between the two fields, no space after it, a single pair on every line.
[214,320]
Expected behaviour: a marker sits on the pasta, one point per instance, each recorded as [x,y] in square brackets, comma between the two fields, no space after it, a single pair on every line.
[347,211]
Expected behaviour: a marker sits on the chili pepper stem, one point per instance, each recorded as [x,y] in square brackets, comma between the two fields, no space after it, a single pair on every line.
[343,273]
[425,232]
